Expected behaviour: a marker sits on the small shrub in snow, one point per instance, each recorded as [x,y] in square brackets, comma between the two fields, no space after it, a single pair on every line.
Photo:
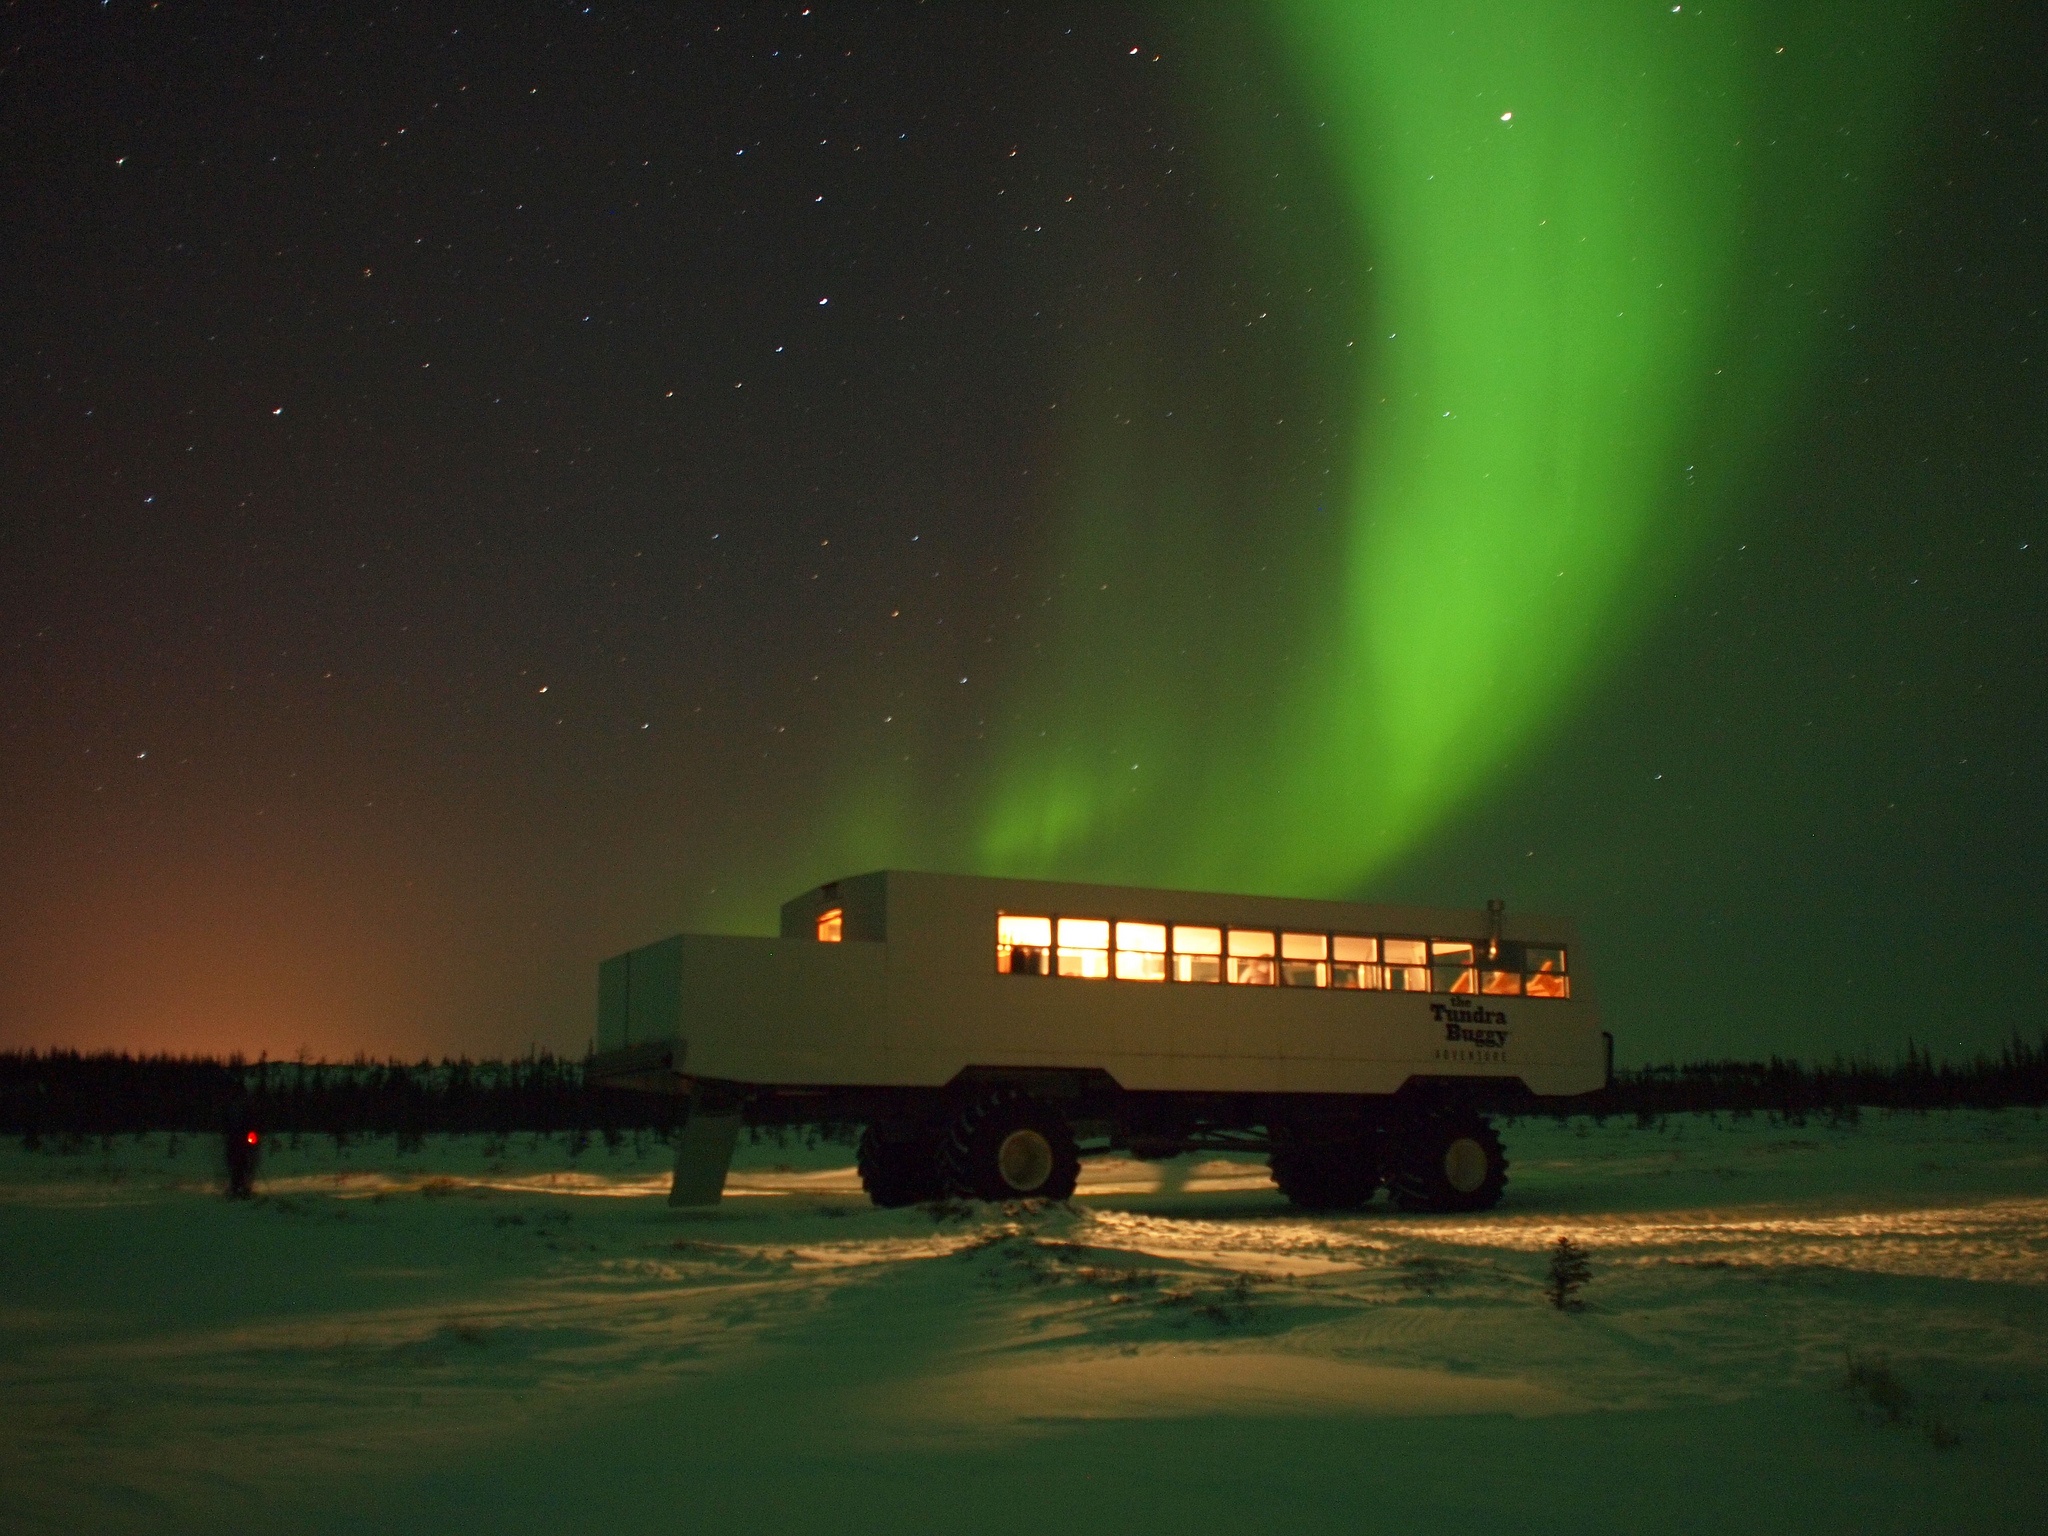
[1426,1275]
[1569,1271]
[1227,1306]
[1870,1377]
[1118,1281]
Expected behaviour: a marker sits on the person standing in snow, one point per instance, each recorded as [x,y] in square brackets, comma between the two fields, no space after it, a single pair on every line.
[241,1144]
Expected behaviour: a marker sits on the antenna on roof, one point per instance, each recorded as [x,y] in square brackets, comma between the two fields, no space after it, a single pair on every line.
[1496,916]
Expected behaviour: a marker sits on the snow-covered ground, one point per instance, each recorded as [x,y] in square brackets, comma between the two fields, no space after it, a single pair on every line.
[470,1338]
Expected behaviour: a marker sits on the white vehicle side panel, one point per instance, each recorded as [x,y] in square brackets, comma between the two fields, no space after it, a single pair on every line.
[926,1003]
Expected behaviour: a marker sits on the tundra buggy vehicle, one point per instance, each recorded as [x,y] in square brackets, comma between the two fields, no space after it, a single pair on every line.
[982,1029]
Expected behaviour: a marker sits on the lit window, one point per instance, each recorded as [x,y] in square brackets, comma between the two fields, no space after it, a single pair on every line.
[1251,958]
[1023,945]
[1197,954]
[1453,966]
[831,925]
[1500,983]
[1141,951]
[1407,965]
[1354,964]
[1304,960]
[1084,947]
[1543,973]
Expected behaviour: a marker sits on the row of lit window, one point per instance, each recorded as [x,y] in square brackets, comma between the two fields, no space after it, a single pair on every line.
[1263,957]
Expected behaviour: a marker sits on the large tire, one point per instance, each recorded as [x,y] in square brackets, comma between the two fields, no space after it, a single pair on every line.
[1325,1176]
[1449,1163]
[1007,1145]
[897,1173]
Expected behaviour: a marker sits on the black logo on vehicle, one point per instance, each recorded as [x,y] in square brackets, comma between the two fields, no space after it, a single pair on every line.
[1459,1023]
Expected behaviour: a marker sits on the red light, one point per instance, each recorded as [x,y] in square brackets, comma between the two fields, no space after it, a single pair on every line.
[252,1138]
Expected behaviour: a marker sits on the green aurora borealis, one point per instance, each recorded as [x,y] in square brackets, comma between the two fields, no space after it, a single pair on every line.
[1595,238]
[710,452]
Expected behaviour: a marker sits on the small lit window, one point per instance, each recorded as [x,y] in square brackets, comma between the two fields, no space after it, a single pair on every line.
[1251,958]
[831,925]
[1500,983]
[1141,951]
[1543,972]
[1084,947]
[1407,965]
[1304,960]
[1023,945]
[1354,964]
[1452,966]
[1197,954]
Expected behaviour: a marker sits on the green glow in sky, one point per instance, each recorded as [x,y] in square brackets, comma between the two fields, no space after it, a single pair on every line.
[1598,239]
[1558,201]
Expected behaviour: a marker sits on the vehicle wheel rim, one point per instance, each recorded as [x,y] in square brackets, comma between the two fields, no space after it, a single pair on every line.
[1465,1165]
[1024,1160]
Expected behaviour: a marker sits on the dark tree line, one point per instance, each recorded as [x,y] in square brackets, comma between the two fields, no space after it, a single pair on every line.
[65,1093]
[2017,1076]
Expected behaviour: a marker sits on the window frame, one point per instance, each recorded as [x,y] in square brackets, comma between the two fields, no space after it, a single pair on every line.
[1467,973]
[1061,949]
[1318,964]
[1174,953]
[1271,957]
[1379,973]
[1561,977]
[1047,950]
[1117,951]
[1389,966]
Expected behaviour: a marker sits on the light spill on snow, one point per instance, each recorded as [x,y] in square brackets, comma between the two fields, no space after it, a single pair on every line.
[476,1312]
[1179,1383]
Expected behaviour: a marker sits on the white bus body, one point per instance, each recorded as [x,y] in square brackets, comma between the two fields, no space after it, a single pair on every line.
[1156,1018]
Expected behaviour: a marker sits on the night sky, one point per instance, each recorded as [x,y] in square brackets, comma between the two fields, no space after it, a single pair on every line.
[484,486]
